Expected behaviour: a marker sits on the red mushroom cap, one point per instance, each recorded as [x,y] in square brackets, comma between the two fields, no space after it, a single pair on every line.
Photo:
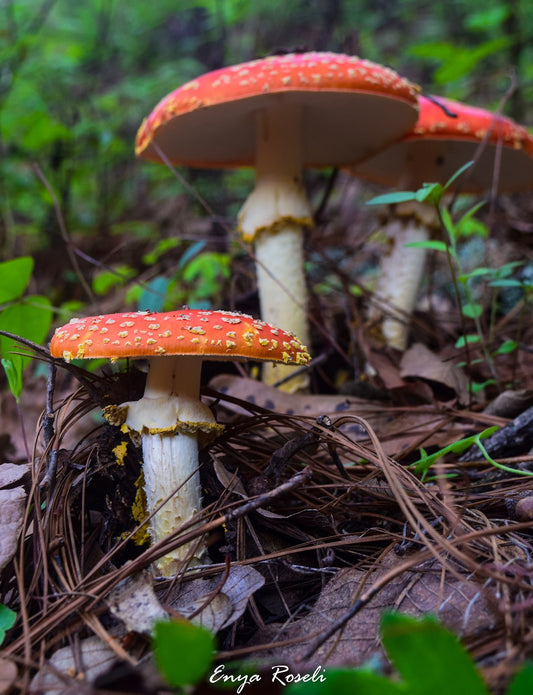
[440,144]
[210,334]
[351,108]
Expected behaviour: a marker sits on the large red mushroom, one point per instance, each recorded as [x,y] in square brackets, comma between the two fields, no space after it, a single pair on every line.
[278,115]
[170,416]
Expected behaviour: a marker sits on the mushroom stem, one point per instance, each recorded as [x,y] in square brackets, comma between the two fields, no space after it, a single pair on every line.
[168,417]
[274,216]
[400,274]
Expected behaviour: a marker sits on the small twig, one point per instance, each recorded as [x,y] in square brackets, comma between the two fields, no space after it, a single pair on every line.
[49,430]
[48,427]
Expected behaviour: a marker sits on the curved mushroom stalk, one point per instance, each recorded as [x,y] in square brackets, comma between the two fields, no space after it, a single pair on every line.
[274,217]
[401,272]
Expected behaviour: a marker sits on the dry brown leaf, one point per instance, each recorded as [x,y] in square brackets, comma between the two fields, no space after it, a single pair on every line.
[207,611]
[135,604]
[458,603]
[92,658]
[12,508]
[265,396]
[12,472]
[239,586]
[8,675]
[418,362]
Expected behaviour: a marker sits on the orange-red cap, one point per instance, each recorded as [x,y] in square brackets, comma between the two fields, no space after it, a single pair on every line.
[351,107]
[444,139]
[209,334]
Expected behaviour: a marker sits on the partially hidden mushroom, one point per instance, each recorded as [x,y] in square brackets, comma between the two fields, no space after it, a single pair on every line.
[448,134]
[278,115]
[170,418]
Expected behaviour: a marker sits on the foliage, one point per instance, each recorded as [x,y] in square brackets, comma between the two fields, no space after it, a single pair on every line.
[7,620]
[175,638]
[29,317]
[78,78]
[496,278]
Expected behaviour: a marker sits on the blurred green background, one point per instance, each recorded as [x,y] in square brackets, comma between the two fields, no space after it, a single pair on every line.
[77,78]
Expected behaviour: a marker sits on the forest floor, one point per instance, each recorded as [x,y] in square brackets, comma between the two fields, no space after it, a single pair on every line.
[322,508]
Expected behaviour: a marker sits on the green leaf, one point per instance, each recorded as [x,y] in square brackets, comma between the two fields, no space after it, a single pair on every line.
[358,682]
[154,295]
[107,279]
[508,282]
[476,273]
[14,376]
[30,318]
[456,61]
[458,173]
[183,651]
[392,198]
[467,339]
[190,253]
[448,224]
[490,17]
[522,683]
[426,461]
[430,193]
[477,386]
[472,310]
[468,225]
[14,278]
[7,620]
[426,653]
[507,347]
[432,245]
[162,247]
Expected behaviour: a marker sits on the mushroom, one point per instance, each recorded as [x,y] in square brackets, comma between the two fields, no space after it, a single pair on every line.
[278,115]
[448,134]
[170,417]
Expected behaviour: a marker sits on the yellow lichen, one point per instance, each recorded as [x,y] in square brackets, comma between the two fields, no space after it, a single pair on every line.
[140,513]
[120,452]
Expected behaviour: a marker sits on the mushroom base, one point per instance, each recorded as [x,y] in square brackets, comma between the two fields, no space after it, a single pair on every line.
[172,471]
[400,275]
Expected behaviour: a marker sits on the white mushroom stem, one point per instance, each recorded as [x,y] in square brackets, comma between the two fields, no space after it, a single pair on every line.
[170,406]
[400,274]
[274,216]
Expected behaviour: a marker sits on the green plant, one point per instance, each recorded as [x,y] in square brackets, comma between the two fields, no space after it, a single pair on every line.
[464,282]
[172,639]
[7,620]
[199,279]
[26,316]
[424,463]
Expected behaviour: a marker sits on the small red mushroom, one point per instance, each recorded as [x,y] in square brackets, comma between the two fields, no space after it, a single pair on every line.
[278,115]
[442,141]
[170,415]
